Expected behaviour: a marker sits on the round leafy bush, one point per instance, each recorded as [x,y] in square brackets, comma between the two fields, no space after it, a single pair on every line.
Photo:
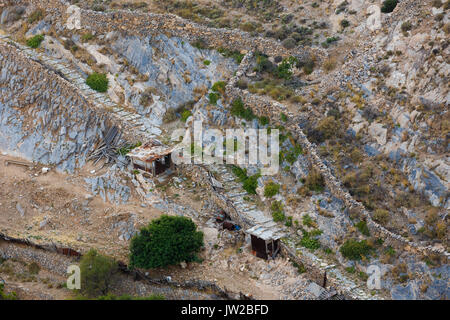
[97,82]
[35,41]
[166,241]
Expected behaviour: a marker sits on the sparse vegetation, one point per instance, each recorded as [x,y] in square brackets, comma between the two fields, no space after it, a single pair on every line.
[248,183]
[98,82]
[355,250]
[271,189]
[35,42]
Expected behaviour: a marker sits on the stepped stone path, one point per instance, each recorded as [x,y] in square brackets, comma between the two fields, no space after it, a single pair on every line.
[236,195]
[135,121]
[356,291]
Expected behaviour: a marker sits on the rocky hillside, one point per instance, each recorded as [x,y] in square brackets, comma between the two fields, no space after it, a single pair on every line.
[358,91]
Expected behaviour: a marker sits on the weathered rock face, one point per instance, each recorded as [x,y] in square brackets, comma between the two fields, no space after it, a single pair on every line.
[42,118]
[174,68]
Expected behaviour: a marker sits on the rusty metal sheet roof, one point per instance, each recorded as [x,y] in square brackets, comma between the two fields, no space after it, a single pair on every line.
[150,151]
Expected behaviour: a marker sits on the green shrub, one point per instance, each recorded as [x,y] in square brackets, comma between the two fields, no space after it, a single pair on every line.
[308,241]
[389,6]
[98,82]
[277,211]
[263,120]
[236,55]
[308,221]
[206,62]
[185,115]
[288,222]
[284,69]
[289,43]
[4,296]
[362,227]
[238,110]
[355,250]
[271,189]
[86,37]
[98,274]
[35,41]
[300,268]
[213,97]
[219,86]
[344,23]
[166,241]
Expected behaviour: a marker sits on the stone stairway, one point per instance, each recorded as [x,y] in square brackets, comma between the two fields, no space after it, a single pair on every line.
[140,124]
[233,191]
[355,289]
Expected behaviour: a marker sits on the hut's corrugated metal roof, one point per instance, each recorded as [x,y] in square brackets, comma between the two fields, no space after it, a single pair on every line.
[267,231]
[150,151]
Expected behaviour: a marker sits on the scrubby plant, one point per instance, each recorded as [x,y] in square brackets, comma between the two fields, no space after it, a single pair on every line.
[98,274]
[34,268]
[315,181]
[355,250]
[213,98]
[5,296]
[309,241]
[166,241]
[263,120]
[344,23]
[284,70]
[236,55]
[98,82]
[381,216]
[238,110]
[87,36]
[308,221]
[271,189]
[289,43]
[206,62]
[35,42]
[277,210]
[185,115]
[249,183]
[362,227]
[170,115]
[219,86]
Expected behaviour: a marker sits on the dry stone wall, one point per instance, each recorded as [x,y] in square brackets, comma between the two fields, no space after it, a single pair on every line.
[263,106]
[138,23]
